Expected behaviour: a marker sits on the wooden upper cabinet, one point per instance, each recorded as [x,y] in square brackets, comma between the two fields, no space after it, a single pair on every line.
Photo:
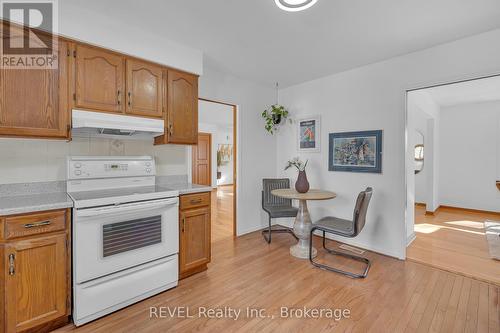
[99,79]
[36,281]
[34,102]
[144,89]
[182,113]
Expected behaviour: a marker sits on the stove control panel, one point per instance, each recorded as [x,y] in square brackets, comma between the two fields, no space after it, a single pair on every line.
[87,167]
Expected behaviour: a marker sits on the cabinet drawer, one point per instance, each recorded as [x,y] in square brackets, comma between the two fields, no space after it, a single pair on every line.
[194,200]
[34,224]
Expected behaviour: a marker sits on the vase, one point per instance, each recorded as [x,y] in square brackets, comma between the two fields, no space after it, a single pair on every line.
[276,119]
[302,185]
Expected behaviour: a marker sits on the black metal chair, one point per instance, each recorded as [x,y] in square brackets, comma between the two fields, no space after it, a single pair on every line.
[345,228]
[276,207]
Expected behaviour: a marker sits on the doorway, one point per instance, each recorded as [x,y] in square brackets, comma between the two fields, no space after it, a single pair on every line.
[453,159]
[215,163]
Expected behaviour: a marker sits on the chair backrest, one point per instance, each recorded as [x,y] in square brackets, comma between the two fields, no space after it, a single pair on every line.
[269,200]
[361,209]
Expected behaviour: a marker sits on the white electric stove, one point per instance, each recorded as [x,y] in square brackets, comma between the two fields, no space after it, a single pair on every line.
[125,234]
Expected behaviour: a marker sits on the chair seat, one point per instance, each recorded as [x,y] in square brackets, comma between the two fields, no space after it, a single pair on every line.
[336,225]
[281,211]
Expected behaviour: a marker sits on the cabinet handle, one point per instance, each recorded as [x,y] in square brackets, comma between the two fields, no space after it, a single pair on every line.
[129,99]
[183,223]
[12,268]
[119,97]
[38,224]
[197,201]
[170,129]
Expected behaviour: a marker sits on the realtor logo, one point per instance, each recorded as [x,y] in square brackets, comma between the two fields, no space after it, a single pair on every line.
[28,34]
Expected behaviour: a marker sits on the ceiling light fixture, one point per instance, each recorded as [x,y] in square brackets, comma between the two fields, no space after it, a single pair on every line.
[295,5]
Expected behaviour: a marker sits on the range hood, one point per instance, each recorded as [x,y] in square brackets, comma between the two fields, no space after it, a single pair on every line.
[98,124]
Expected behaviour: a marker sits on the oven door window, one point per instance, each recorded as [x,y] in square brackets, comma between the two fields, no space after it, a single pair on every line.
[131,235]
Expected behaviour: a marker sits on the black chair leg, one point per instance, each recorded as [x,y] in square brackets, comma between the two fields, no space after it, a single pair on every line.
[342,254]
[266,233]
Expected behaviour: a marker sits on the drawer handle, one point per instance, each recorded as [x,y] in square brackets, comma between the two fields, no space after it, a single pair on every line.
[38,224]
[12,268]
[197,201]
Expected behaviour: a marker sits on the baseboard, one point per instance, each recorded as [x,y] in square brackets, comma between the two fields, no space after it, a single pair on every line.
[470,210]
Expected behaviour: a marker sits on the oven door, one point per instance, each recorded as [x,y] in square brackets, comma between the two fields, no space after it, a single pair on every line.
[113,238]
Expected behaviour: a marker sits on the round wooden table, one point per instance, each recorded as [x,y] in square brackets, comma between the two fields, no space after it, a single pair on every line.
[302,226]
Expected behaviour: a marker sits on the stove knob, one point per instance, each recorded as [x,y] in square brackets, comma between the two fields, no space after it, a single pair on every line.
[78,165]
[148,170]
[148,164]
[78,172]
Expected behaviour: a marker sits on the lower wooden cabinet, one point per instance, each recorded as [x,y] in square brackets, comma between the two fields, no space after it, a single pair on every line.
[35,272]
[194,229]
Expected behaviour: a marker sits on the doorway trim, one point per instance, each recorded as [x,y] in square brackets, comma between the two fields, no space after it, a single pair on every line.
[235,158]
[408,150]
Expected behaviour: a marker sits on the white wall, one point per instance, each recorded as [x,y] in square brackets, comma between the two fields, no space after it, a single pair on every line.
[420,133]
[24,161]
[256,151]
[468,165]
[101,28]
[373,97]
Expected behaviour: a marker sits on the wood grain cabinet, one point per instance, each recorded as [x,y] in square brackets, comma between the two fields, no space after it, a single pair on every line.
[194,228]
[144,89]
[35,272]
[182,109]
[99,79]
[34,102]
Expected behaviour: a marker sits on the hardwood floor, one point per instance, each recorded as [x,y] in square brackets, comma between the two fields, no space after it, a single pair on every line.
[222,213]
[396,296]
[454,240]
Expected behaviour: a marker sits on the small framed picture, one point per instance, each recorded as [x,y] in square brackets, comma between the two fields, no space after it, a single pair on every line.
[355,152]
[309,134]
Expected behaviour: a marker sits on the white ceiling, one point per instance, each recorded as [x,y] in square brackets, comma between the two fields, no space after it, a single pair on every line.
[253,39]
[476,91]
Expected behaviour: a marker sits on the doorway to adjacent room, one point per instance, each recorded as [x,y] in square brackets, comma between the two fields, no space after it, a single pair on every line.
[214,163]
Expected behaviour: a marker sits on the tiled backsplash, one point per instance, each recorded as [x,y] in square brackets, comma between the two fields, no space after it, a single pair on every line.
[23,161]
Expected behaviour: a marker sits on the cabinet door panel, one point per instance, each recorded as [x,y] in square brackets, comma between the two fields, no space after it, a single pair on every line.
[183,108]
[144,89]
[36,281]
[99,79]
[34,102]
[195,238]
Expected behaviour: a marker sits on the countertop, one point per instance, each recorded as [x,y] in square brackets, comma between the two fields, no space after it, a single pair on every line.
[23,199]
[187,188]
[20,204]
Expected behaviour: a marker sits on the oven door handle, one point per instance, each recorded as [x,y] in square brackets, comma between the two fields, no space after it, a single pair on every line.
[126,207]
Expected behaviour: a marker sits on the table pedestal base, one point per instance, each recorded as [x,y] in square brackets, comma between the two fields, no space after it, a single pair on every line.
[302,252]
[301,229]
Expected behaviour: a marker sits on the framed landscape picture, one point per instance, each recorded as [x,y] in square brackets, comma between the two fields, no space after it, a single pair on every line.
[355,151]
[308,134]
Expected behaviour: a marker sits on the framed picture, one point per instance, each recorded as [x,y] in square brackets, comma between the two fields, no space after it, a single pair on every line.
[308,134]
[355,151]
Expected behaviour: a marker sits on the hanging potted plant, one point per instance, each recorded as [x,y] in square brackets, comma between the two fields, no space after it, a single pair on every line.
[302,184]
[274,116]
